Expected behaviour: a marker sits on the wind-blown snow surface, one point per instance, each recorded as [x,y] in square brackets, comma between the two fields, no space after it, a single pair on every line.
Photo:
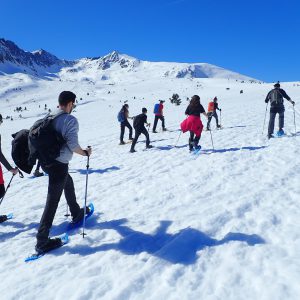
[168,225]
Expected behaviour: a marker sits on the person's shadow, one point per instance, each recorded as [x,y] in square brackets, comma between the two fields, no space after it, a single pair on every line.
[176,248]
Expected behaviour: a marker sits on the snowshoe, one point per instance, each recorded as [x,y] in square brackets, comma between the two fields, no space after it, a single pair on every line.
[48,245]
[79,217]
[280,133]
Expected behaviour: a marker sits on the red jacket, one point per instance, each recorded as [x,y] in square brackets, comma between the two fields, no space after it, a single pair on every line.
[192,123]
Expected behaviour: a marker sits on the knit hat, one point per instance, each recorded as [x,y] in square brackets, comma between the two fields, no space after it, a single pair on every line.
[277,85]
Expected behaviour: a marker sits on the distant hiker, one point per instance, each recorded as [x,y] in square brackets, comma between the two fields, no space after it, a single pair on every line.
[9,168]
[139,127]
[158,112]
[213,106]
[123,117]
[65,127]
[193,123]
[275,97]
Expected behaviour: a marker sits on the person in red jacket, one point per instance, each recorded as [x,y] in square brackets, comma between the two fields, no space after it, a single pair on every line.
[212,112]
[158,111]
[193,122]
[6,164]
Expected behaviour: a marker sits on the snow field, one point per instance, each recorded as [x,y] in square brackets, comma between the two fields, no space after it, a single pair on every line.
[167,225]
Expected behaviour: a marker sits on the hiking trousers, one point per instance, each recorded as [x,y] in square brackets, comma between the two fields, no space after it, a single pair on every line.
[138,132]
[59,181]
[273,112]
[193,141]
[162,118]
[123,125]
[210,115]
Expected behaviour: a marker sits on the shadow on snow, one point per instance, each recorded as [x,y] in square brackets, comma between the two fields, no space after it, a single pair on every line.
[209,151]
[178,248]
[98,171]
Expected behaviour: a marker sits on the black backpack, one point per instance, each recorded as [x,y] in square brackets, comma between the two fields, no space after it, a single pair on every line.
[45,142]
[276,97]
[20,151]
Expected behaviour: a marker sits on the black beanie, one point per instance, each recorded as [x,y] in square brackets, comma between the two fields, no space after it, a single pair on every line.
[144,110]
[277,85]
[65,97]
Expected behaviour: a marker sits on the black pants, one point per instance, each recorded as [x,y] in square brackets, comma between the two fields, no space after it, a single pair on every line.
[210,115]
[193,141]
[162,118]
[2,190]
[273,112]
[123,125]
[59,181]
[137,134]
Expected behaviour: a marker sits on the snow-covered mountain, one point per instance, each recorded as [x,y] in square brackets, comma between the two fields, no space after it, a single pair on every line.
[113,66]
[40,62]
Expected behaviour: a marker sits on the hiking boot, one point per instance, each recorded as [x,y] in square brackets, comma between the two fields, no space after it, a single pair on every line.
[154,131]
[218,126]
[132,151]
[164,129]
[149,147]
[122,143]
[270,136]
[130,139]
[280,132]
[48,245]
[198,147]
[80,215]
[37,173]
[3,218]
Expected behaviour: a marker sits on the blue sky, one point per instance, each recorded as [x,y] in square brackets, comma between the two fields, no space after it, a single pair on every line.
[256,38]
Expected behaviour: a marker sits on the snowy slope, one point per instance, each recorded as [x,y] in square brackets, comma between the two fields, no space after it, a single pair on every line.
[168,225]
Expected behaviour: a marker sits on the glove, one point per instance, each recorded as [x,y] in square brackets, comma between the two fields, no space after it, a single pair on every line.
[266,100]
[220,109]
[293,102]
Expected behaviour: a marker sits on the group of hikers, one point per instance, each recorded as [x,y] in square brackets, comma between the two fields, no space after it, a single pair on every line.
[62,128]
[193,123]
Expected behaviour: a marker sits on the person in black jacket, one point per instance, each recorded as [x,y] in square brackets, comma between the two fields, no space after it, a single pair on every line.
[125,112]
[275,97]
[139,127]
[7,165]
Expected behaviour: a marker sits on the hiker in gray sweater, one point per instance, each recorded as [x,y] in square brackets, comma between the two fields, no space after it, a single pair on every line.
[59,178]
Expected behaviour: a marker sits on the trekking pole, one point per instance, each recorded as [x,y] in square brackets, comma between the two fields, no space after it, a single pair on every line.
[178,139]
[265,118]
[220,118]
[212,142]
[294,119]
[85,197]
[8,186]
[67,213]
